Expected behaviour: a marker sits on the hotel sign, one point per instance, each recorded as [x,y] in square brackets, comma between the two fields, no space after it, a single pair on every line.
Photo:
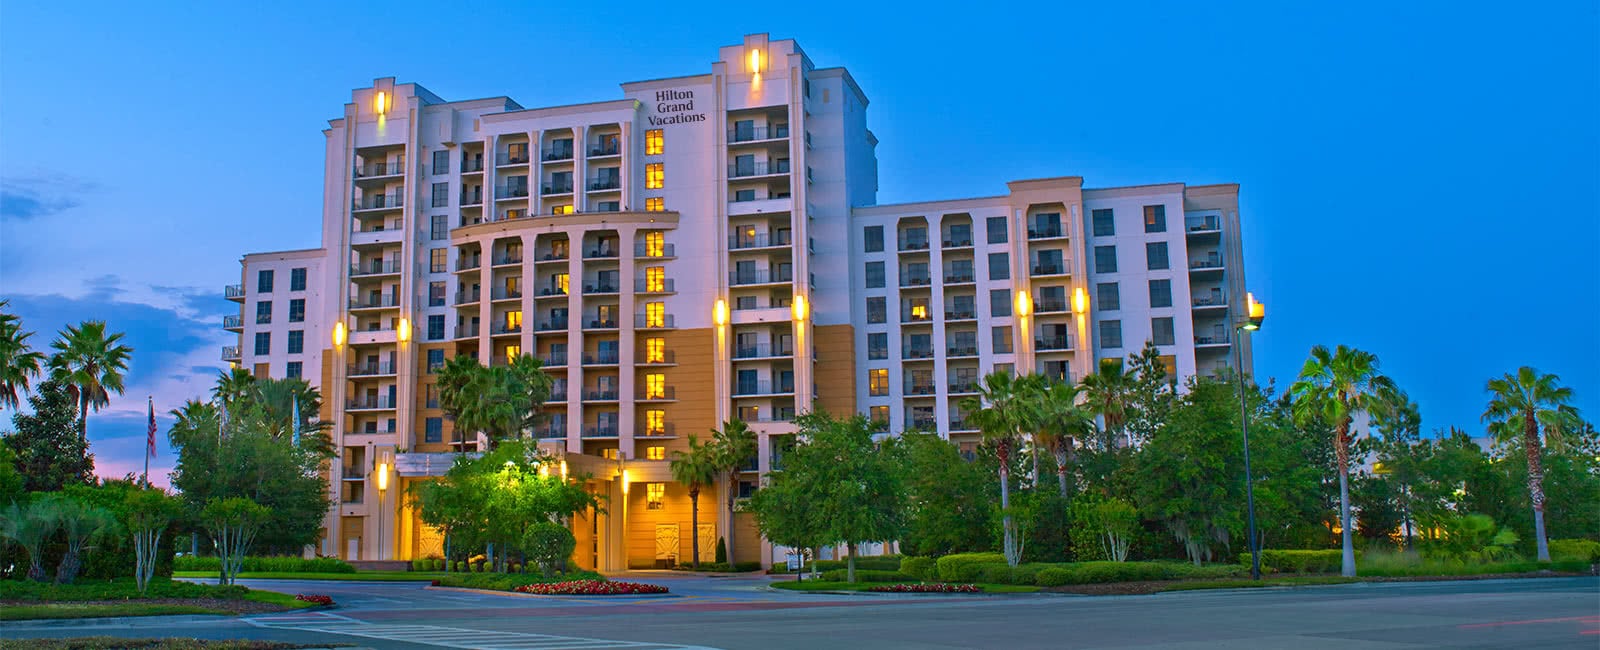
[675,107]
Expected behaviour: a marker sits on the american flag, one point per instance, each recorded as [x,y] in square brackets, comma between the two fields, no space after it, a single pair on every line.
[151,439]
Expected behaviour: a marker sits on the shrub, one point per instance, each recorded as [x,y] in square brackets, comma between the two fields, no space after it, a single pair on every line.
[549,544]
[509,581]
[723,567]
[421,564]
[319,599]
[270,564]
[591,588]
[867,575]
[1101,572]
[1575,550]
[722,551]
[949,566]
[927,589]
[920,568]
[1299,561]
[119,589]
[873,562]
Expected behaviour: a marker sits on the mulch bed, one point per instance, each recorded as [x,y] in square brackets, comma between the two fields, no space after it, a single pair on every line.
[230,606]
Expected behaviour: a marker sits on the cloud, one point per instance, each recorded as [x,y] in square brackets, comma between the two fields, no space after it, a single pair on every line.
[34,197]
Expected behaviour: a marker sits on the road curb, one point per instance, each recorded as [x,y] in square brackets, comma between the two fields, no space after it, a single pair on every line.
[518,594]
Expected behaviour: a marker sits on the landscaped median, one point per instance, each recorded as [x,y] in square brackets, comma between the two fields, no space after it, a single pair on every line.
[119,643]
[21,600]
[576,583]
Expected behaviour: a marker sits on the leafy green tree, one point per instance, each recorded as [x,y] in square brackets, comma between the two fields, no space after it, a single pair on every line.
[148,513]
[549,544]
[784,514]
[947,511]
[11,480]
[233,524]
[1332,387]
[1062,419]
[1151,391]
[695,469]
[1103,528]
[1399,453]
[19,363]
[499,401]
[1526,402]
[233,386]
[91,363]
[30,527]
[736,447]
[1001,411]
[1189,472]
[50,450]
[81,524]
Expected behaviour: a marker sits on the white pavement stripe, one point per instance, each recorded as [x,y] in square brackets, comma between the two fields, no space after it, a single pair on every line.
[451,637]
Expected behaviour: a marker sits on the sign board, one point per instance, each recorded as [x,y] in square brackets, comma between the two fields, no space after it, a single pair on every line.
[794,561]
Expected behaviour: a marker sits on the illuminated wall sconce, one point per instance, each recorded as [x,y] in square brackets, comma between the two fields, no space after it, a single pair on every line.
[1024,304]
[338,335]
[402,330]
[380,103]
[754,61]
[563,469]
[799,308]
[624,482]
[719,312]
[1080,301]
[383,476]
[1255,312]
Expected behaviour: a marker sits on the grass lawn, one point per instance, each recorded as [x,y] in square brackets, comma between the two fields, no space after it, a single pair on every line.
[90,599]
[370,576]
[95,610]
[823,585]
[1245,583]
[116,643]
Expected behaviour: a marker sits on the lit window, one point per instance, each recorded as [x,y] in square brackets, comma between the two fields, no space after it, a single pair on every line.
[655,278]
[655,314]
[879,415]
[563,283]
[654,176]
[655,350]
[513,351]
[655,452]
[655,422]
[655,386]
[655,495]
[655,244]
[654,142]
[655,204]
[609,454]
[878,382]
[513,321]
[562,209]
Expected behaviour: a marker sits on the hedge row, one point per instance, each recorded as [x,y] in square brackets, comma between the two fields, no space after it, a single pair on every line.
[722,567]
[949,567]
[509,581]
[1575,550]
[267,564]
[991,568]
[921,568]
[873,562]
[1299,561]
[867,575]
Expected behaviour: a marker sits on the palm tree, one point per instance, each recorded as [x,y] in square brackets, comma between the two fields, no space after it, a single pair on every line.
[1062,419]
[1331,388]
[1001,412]
[696,469]
[19,363]
[232,385]
[736,445]
[1108,393]
[1531,400]
[91,363]
[30,527]
[195,419]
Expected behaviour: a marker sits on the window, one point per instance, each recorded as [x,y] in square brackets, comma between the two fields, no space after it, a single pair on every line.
[608,206]
[1104,223]
[297,341]
[999,266]
[1107,297]
[741,196]
[263,312]
[655,452]
[264,281]
[433,429]
[1105,259]
[297,310]
[297,279]
[1006,369]
[996,227]
[654,142]
[872,237]
[1111,334]
[1160,293]
[438,229]
[655,496]
[436,327]
[565,208]
[655,386]
[441,195]
[441,162]
[430,396]
[655,350]
[1161,330]
[435,361]
[263,343]
[655,204]
[875,275]
[1155,256]
[438,258]
[655,279]
[1000,302]
[878,382]
[655,422]
[655,175]
[655,314]
[1155,218]
[877,346]
[293,370]
[877,310]
[655,244]
[609,453]
[1000,337]
[436,294]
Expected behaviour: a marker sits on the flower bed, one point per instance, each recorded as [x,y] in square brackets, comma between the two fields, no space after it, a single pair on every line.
[933,588]
[591,588]
[319,599]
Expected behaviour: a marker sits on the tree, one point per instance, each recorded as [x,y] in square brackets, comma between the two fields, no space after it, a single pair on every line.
[232,524]
[695,469]
[50,452]
[90,363]
[1332,387]
[1110,522]
[549,544]
[1062,420]
[81,524]
[784,514]
[19,363]
[1109,393]
[30,526]
[736,446]
[1151,391]
[1398,453]
[499,401]
[149,511]
[233,386]
[1189,476]
[947,510]
[1526,402]
[1001,412]
[854,488]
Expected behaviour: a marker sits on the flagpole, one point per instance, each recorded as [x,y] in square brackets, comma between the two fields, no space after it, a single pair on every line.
[150,447]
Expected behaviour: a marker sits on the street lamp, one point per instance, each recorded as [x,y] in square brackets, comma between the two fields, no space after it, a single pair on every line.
[1255,312]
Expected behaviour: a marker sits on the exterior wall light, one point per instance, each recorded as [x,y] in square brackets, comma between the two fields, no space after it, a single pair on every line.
[383,476]
[1080,301]
[402,330]
[755,60]
[719,312]
[799,308]
[1024,304]
[380,103]
[338,334]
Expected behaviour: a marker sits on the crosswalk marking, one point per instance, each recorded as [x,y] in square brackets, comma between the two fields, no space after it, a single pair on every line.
[451,637]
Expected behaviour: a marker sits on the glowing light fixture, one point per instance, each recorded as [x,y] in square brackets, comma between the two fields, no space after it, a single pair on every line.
[1080,301]
[402,330]
[544,471]
[624,482]
[563,469]
[1255,312]
[755,60]
[1024,304]
[380,103]
[799,308]
[383,476]
[338,334]
[719,312]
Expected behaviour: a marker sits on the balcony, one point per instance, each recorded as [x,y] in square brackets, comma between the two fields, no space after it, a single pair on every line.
[374,170]
[962,387]
[915,280]
[472,198]
[557,154]
[233,323]
[961,350]
[504,329]
[645,322]
[753,388]
[602,431]
[553,360]
[600,289]
[601,358]
[466,331]
[601,395]
[555,325]
[1049,268]
[913,243]
[508,258]
[742,278]
[916,352]
[659,287]
[504,158]
[742,242]
[1044,231]
[370,369]
[1202,225]
[663,430]
[553,291]
[379,202]
[958,276]
[1220,338]
[958,242]
[597,323]
[758,169]
[510,191]
[472,165]
[914,315]
[554,256]
[504,293]
[921,423]
[550,431]
[384,403]
[468,263]
[655,252]
[603,252]
[763,351]
[757,134]
[467,297]
[603,149]
[556,188]
[1210,263]
[1052,343]
[230,353]
[375,302]
[919,388]
[664,358]
[234,292]
[960,313]
[375,267]
[1050,306]
[666,394]
[604,183]
[1201,302]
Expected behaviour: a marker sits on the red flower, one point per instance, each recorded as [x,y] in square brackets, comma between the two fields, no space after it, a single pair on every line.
[314,598]
[927,589]
[591,588]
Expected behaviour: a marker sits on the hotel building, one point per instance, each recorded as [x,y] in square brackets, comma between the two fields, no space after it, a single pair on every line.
[706,247]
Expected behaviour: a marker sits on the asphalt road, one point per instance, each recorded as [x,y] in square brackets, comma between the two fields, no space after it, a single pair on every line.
[740,613]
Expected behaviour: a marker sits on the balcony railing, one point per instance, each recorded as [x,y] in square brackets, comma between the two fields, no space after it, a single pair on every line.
[914,243]
[510,191]
[758,169]
[762,388]
[380,169]
[919,388]
[555,325]
[607,431]
[908,315]
[553,430]
[1207,263]
[556,188]
[1052,343]
[472,198]
[379,202]
[383,402]
[1049,268]
[603,252]
[921,423]
[511,158]
[557,153]
[1044,230]
[916,352]
[1051,305]
[471,165]
[604,149]
[664,357]
[964,350]
[600,288]
[758,133]
[604,183]
[370,369]
[466,331]
[762,350]
[377,302]
[958,242]
[666,394]
[667,285]
[505,328]
[553,290]
[961,386]
[375,267]
[596,323]
[504,293]
[660,431]
[665,250]
[601,395]
[1210,301]
[232,322]
[601,358]
[963,313]
[958,276]
[468,297]
[1202,224]
[737,278]
[553,256]
[468,263]
[553,359]
[508,258]
[230,353]
[738,242]
[1213,339]
[233,291]
[644,322]
[915,280]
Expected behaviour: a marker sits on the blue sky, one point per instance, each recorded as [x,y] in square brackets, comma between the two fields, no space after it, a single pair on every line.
[1421,180]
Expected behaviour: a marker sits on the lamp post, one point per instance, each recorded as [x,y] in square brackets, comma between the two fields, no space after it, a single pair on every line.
[1255,312]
